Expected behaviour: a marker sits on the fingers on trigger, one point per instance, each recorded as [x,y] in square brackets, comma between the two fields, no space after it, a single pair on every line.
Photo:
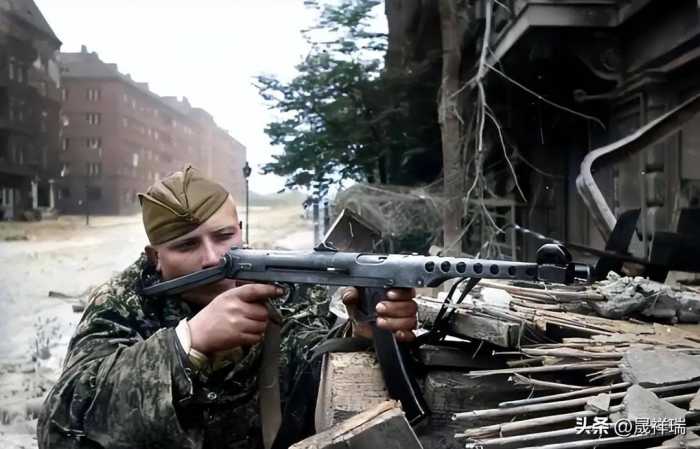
[397,324]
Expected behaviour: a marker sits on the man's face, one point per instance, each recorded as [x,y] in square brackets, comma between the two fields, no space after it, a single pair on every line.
[199,249]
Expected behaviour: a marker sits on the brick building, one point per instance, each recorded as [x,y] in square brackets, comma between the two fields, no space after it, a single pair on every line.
[29,109]
[120,137]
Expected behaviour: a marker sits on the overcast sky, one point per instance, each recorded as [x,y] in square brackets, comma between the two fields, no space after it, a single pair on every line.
[206,50]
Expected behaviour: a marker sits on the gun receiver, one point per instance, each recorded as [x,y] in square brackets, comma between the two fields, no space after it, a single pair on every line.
[373,273]
[329,267]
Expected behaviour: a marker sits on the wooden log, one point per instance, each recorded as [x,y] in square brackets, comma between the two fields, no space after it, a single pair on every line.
[454,357]
[525,362]
[571,394]
[468,325]
[544,369]
[383,426]
[570,352]
[505,441]
[517,426]
[530,408]
[546,406]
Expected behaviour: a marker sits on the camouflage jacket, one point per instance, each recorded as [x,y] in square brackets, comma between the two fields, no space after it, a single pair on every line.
[126,382]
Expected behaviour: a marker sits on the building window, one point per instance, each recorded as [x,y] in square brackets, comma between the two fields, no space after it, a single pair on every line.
[43,89]
[94,193]
[94,168]
[65,144]
[135,160]
[65,169]
[63,192]
[93,118]
[93,95]
[11,69]
[94,142]
[6,196]
[64,94]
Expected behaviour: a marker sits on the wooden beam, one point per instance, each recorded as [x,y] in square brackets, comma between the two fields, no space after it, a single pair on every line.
[471,326]
[350,383]
[383,426]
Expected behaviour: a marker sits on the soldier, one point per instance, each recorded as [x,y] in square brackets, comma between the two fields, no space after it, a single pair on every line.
[182,371]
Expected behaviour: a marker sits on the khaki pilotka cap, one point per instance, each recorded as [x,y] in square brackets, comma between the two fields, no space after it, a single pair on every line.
[179,203]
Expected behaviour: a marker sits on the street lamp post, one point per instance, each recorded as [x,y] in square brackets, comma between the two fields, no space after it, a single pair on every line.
[87,194]
[246,174]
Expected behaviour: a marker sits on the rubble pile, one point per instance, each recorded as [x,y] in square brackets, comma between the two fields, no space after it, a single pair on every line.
[614,363]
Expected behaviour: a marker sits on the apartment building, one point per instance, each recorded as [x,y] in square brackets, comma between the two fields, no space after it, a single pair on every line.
[120,137]
[29,109]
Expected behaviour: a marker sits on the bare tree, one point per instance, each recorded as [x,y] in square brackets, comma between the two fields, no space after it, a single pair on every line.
[450,122]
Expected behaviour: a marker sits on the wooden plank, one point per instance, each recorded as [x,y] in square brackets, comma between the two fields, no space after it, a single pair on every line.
[455,357]
[350,383]
[471,326]
[383,426]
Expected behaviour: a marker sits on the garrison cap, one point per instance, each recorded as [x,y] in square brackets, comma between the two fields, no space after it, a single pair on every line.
[179,203]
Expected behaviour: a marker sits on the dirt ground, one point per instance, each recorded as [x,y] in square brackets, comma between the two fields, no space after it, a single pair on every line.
[68,257]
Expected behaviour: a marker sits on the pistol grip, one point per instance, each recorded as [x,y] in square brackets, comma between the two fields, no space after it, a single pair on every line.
[369,298]
[393,359]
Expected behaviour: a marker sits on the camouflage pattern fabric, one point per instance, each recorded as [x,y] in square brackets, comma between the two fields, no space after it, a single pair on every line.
[126,382]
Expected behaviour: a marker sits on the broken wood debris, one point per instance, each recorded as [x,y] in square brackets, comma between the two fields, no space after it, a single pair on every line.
[384,425]
[581,392]
[589,365]
[569,403]
[536,384]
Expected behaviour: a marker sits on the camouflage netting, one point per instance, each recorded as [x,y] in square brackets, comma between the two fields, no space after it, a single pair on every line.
[408,218]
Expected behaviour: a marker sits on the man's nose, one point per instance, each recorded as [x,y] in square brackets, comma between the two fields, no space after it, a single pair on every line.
[210,255]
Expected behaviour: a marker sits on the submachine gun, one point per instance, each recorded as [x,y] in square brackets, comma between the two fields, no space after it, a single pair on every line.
[372,274]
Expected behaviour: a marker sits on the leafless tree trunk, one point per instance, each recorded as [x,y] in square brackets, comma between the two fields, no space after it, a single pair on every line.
[450,125]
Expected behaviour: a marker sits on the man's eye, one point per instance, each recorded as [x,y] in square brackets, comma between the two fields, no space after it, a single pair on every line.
[226,235]
[185,246]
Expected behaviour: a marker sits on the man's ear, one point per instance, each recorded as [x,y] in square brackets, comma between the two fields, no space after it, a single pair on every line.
[152,256]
